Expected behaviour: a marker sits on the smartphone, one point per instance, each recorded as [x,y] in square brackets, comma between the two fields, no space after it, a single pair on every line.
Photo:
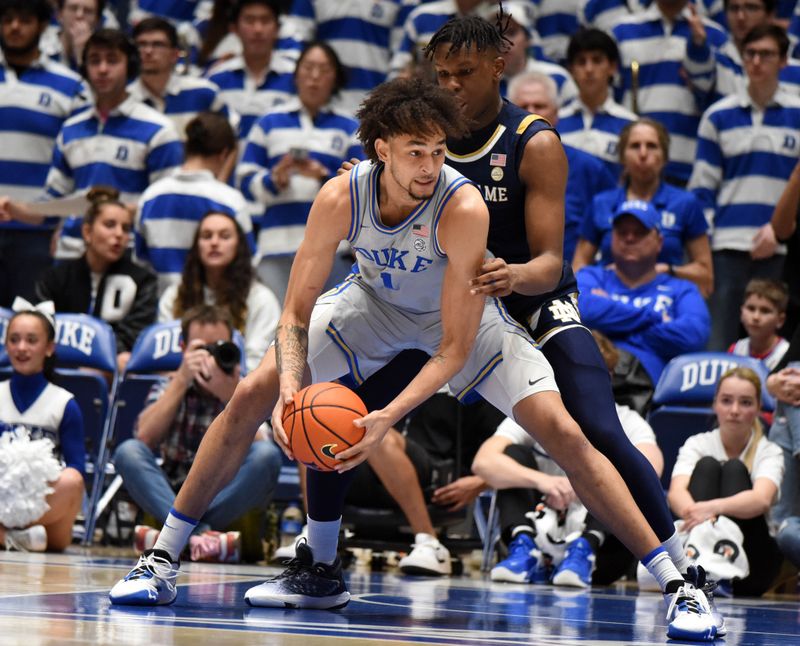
[298,154]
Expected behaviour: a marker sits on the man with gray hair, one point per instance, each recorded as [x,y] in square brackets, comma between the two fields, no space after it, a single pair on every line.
[537,93]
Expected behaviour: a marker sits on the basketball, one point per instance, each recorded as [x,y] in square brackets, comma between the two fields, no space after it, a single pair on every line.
[319,424]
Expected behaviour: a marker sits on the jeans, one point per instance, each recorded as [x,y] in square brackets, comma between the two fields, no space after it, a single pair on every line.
[251,487]
[732,271]
[785,432]
[789,539]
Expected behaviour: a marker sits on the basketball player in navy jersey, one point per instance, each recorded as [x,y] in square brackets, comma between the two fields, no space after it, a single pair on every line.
[419,231]
[516,160]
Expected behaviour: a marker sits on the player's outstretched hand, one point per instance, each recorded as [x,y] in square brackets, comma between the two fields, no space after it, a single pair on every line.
[347,165]
[278,433]
[495,279]
[377,424]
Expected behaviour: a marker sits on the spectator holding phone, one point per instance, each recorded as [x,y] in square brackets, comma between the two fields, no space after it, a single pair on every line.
[290,153]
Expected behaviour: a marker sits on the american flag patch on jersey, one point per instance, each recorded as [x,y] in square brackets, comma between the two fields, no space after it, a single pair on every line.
[420,230]
[497,159]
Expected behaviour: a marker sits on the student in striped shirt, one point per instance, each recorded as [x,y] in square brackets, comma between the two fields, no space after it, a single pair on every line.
[77,19]
[748,145]
[658,44]
[171,208]
[119,141]
[290,153]
[36,96]
[253,84]
[363,33]
[556,20]
[729,76]
[177,96]
[594,120]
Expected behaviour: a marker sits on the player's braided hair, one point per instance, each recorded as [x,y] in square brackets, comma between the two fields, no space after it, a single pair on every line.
[472,31]
[408,107]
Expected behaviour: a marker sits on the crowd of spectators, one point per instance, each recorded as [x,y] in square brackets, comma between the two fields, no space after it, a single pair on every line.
[198,134]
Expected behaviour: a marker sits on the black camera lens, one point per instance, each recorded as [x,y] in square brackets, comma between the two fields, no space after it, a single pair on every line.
[226,354]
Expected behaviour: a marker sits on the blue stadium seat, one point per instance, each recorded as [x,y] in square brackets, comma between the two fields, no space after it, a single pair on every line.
[683,397]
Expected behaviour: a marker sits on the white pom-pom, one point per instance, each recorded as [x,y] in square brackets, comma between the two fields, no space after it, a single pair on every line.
[27,467]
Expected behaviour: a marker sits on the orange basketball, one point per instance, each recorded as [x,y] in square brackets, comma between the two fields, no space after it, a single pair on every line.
[319,424]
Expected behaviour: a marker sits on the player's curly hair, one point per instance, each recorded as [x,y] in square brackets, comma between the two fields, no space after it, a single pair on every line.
[408,107]
[472,31]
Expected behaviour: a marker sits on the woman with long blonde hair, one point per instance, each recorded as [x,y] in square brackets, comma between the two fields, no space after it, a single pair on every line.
[733,471]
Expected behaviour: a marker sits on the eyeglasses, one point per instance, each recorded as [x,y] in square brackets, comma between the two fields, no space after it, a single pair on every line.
[152,44]
[750,7]
[764,54]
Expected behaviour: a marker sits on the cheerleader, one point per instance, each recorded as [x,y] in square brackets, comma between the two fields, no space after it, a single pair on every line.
[39,497]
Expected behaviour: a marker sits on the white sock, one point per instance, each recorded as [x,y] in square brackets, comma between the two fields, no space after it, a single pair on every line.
[674,545]
[659,564]
[174,534]
[323,539]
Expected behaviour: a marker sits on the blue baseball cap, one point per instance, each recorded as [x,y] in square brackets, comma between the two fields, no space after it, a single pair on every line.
[642,211]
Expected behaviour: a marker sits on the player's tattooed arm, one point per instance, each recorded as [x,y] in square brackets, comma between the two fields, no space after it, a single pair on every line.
[291,350]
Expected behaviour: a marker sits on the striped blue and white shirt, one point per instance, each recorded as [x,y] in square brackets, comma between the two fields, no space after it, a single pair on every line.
[184,97]
[418,28]
[329,137]
[595,133]
[249,97]
[604,14]
[730,78]
[556,21]
[134,147]
[33,107]
[168,215]
[665,54]
[745,156]
[363,33]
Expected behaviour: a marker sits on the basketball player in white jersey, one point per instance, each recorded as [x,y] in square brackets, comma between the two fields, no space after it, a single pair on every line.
[419,230]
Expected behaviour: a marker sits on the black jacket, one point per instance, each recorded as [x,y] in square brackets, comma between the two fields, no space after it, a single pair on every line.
[126,297]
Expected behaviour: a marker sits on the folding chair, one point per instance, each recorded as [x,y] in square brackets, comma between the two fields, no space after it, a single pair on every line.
[683,397]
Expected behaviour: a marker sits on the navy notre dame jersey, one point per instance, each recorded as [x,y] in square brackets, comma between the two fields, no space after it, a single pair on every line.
[490,157]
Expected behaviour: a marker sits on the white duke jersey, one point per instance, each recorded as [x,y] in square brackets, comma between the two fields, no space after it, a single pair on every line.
[402,265]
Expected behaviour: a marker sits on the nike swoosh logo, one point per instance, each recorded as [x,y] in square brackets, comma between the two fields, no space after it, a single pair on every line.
[327,450]
[535,381]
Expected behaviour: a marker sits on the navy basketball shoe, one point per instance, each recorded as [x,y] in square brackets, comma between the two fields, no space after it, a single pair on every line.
[150,583]
[303,584]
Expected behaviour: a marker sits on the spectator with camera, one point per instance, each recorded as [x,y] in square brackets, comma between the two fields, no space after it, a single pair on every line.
[219,271]
[172,424]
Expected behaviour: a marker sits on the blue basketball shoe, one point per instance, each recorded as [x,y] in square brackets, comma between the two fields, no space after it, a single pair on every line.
[303,584]
[576,569]
[524,563]
[150,583]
